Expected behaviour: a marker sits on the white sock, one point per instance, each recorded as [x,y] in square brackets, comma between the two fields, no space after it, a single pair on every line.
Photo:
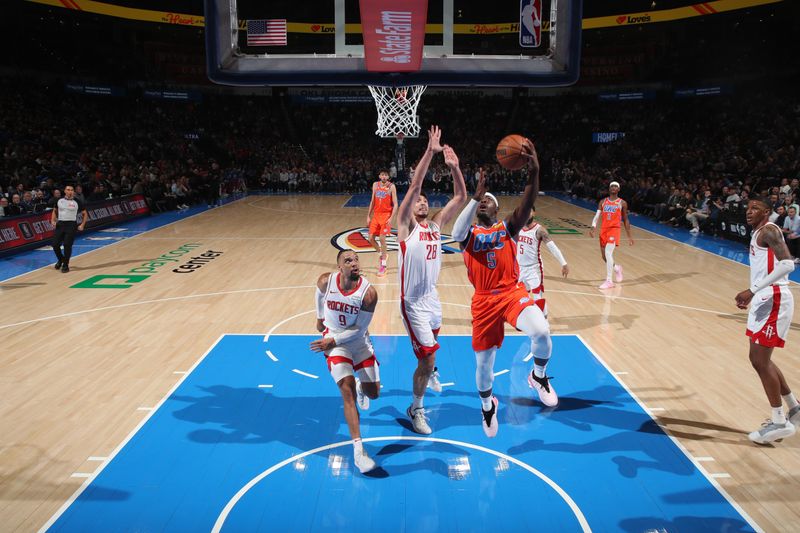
[791,401]
[417,403]
[538,370]
[609,261]
[486,403]
[357,446]
[778,416]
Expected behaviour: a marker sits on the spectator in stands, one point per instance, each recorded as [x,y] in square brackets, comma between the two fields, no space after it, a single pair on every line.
[699,212]
[778,216]
[54,198]
[791,232]
[3,206]
[15,207]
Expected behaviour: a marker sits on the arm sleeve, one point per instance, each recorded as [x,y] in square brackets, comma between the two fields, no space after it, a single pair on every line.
[359,329]
[551,246]
[782,268]
[464,220]
[320,304]
[595,219]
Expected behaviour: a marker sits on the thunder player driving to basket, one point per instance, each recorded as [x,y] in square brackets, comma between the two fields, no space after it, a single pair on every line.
[490,256]
[420,261]
[529,257]
[771,309]
[379,216]
[345,304]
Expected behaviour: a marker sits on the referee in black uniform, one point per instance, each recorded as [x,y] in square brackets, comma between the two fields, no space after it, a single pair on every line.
[65,219]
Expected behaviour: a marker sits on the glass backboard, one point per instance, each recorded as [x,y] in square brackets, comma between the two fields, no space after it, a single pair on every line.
[466,43]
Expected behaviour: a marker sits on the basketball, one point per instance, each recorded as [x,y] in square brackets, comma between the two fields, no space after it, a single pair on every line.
[509,152]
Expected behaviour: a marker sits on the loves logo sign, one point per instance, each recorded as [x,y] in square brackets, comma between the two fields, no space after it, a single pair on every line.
[621,19]
[315,27]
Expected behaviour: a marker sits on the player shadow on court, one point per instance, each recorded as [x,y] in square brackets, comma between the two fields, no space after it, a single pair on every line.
[12,286]
[583,322]
[637,432]
[741,318]
[668,423]
[26,478]
[685,523]
[648,279]
[252,416]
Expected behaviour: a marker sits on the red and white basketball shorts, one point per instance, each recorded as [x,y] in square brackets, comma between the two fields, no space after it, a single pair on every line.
[770,316]
[535,287]
[490,312]
[610,236]
[422,318]
[355,357]
[379,225]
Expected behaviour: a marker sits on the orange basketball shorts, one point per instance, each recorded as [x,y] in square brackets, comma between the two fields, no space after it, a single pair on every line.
[610,236]
[490,312]
[379,225]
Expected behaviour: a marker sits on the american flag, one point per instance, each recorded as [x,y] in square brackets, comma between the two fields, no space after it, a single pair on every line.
[269,32]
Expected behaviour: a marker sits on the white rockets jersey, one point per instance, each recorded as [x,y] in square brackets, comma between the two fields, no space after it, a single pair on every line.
[341,309]
[762,260]
[529,255]
[420,261]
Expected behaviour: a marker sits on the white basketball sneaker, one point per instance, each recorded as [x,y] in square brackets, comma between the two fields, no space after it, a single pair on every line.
[419,421]
[433,381]
[770,432]
[547,394]
[794,415]
[361,398]
[363,461]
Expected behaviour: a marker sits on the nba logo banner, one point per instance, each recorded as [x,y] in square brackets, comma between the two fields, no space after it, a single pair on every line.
[530,23]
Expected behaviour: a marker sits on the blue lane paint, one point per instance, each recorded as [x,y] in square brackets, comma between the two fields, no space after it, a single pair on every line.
[735,251]
[219,430]
[435,200]
[22,263]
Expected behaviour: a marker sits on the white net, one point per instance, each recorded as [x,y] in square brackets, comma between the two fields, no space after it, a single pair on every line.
[397,110]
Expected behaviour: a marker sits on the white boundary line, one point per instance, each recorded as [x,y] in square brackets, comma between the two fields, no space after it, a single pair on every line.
[250,484]
[103,247]
[296,371]
[119,448]
[272,356]
[291,287]
[675,441]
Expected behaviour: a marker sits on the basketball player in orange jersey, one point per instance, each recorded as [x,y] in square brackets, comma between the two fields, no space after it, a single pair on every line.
[610,211]
[769,318]
[379,216]
[490,256]
[345,304]
[420,261]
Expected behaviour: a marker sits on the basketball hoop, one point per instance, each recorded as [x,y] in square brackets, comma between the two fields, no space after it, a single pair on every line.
[397,110]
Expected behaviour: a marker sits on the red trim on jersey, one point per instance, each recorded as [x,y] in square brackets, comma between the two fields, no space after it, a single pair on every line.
[769,339]
[770,260]
[339,286]
[370,361]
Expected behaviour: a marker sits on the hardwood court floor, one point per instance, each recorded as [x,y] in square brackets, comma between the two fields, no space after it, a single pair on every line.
[78,365]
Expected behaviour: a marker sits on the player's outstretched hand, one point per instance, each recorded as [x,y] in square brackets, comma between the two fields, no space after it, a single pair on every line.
[591,233]
[450,157]
[630,241]
[434,139]
[743,299]
[565,270]
[529,151]
[480,189]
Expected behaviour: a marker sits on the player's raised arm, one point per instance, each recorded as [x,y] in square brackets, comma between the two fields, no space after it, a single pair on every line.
[464,220]
[516,220]
[459,189]
[404,212]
